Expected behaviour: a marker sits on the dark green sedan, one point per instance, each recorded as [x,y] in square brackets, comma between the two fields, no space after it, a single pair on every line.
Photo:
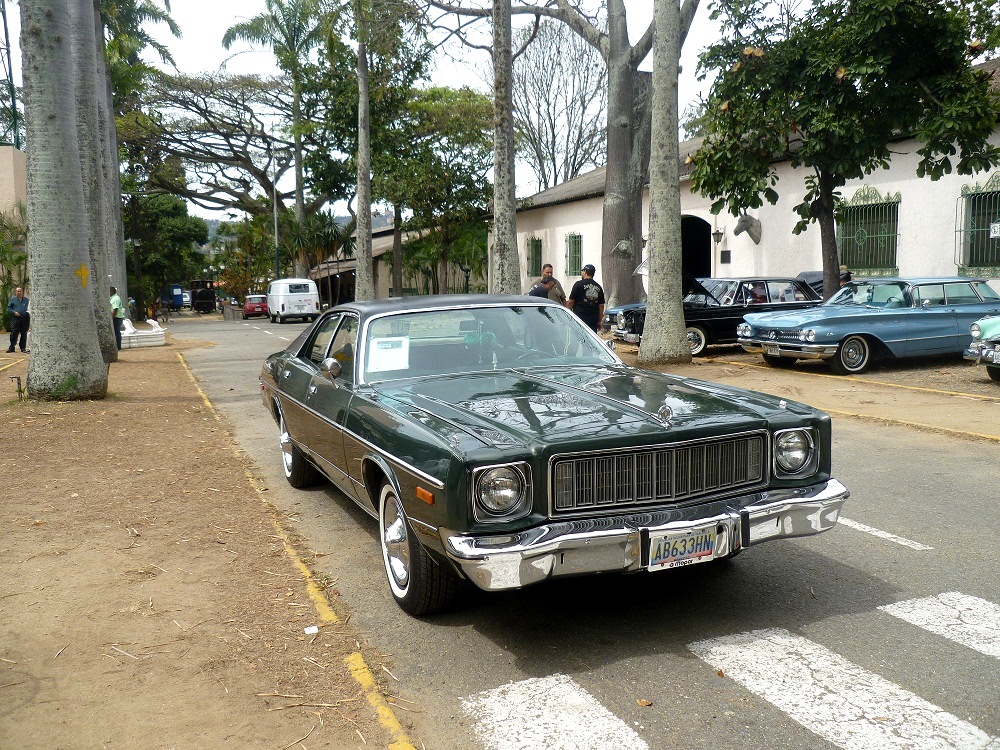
[498,440]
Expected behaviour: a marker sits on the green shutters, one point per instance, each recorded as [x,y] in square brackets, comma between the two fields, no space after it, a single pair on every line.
[867,232]
[574,254]
[979,228]
[534,257]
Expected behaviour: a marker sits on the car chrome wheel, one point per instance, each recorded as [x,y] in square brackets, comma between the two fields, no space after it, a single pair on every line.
[698,339]
[853,356]
[298,471]
[418,583]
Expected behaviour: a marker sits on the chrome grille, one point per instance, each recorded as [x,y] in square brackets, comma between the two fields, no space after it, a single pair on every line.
[779,335]
[657,475]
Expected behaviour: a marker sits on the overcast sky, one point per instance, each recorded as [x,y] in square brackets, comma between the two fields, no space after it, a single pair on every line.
[203,23]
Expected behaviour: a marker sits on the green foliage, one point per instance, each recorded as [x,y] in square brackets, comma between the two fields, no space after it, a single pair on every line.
[13,258]
[833,89]
[289,27]
[465,245]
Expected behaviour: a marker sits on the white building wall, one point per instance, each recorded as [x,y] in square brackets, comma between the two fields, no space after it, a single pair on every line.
[927,224]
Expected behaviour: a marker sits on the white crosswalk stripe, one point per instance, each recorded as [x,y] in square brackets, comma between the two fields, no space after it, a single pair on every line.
[968,620]
[547,712]
[834,698]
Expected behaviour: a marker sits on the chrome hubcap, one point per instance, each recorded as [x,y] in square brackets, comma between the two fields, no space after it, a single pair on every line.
[395,543]
[285,440]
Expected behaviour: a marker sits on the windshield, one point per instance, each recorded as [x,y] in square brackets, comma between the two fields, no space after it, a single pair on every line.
[873,294]
[714,292]
[438,342]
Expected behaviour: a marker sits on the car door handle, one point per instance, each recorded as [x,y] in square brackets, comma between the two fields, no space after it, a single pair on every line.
[286,374]
[312,389]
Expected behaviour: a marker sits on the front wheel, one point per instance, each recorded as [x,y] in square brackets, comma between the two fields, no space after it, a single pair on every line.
[994,373]
[854,356]
[417,582]
[298,471]
[698,339]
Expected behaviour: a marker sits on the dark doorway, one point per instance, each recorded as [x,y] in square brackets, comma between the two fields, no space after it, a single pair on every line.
[696,246]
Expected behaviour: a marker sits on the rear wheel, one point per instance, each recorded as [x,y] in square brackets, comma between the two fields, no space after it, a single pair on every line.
[854,356]
[417,582]
[274,318]
[698,339]
[298,471]
[994,373]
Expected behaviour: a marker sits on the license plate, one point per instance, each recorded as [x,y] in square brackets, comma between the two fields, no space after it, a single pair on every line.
[771,349]
[673,549]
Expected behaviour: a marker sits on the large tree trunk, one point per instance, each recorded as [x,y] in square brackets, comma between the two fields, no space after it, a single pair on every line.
[66,361]
[505,264]
[364,284]
[662,339]
[92,123]
[822,210]
[397,250]
[621,241]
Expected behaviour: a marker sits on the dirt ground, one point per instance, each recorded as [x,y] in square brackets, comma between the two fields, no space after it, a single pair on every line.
[147,598]
[147,595]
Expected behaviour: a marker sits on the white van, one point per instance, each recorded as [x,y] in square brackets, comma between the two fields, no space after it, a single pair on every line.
[292,298]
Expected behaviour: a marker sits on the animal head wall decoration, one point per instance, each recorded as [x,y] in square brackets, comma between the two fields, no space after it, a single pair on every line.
[750,225]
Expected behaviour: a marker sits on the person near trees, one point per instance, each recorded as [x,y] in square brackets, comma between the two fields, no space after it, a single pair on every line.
[556,293]
[20,320]
[586,298]
[542,288]
[117,316]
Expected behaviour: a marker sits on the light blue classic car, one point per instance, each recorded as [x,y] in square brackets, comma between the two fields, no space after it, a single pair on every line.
[985,346]
[872,319]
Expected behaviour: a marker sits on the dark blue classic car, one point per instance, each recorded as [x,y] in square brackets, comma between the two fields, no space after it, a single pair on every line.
[498,440]
[869,319]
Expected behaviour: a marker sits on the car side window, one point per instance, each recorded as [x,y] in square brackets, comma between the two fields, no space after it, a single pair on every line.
[930,294]
[756,292]
[961,294]
[345,343]
[321,339]
[784,291]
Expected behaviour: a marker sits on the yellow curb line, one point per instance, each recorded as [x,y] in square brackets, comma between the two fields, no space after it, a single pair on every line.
[904,423]
[15,362]
[201,393]
[355,662]
[853,379]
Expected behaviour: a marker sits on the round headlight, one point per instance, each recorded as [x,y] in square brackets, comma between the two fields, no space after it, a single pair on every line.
[976,331]
[792,450]
[500,490]
[810,335]
[743,330]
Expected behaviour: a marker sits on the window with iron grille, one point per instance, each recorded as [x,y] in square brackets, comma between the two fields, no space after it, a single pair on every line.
[534,253]
[978,228]
[867,232]
[574,254]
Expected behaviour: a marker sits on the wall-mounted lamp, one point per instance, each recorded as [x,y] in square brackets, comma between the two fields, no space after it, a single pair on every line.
[725,256]
[717,235]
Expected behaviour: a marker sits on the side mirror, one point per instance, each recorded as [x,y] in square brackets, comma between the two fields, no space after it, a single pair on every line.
[330,368]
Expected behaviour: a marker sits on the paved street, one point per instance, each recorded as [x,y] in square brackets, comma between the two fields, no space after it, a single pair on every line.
[884,633]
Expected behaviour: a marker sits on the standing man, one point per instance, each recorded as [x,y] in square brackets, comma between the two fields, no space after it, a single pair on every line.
[587,298]
[20,320]
[543,288]
[556,293]
[117,316]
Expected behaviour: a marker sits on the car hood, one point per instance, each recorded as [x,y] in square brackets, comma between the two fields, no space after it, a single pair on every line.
[566,405]
[990,327]
[812,315]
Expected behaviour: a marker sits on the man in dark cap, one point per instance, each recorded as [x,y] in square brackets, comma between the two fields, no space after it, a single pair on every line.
[542,288]
[587,298]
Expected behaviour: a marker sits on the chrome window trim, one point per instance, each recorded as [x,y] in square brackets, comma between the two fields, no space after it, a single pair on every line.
[768,459]
[525,504]
[810,466]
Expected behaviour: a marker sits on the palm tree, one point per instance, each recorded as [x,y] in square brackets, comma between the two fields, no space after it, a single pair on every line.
[291,29]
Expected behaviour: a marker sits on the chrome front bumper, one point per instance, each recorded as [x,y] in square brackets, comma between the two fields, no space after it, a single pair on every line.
[981,355]
[620,543]
[786,349]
